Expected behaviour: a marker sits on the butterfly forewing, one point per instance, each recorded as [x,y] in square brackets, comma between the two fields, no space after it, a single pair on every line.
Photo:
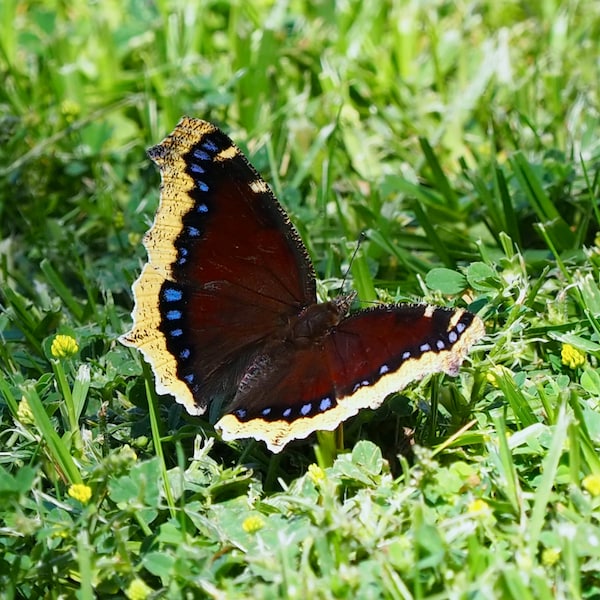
[226,267]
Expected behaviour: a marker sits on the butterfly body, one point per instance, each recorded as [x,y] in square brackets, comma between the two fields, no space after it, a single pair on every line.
[226,307]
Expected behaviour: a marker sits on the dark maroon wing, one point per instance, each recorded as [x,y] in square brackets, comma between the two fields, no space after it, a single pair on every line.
[365,358]
[226,268]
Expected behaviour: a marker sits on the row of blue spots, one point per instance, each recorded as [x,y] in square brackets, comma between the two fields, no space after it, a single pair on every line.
[172,295]
[306,409]
[208,146]
[191,230]
[423,348]
[173,315]
[440,344]
[202,155]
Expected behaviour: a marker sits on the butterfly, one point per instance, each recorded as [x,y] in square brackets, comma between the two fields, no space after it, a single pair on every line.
[226,309]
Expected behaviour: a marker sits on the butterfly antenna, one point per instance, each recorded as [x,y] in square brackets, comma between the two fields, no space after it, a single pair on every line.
[361,238]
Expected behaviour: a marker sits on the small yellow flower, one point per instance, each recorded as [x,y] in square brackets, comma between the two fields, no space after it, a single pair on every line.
[478,506]
[80,492]
[253,524]
[591,483]
[315,473]
[571,356]
[550,556]
[61,533]
[138,590]
[24,414]
[496,373]
[63,346]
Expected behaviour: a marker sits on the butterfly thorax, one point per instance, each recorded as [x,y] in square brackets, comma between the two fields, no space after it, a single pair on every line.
[316,320]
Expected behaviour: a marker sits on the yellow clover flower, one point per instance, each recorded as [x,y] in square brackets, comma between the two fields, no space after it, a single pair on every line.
[253,523]
[63,346]
[550,556]
[24,413]
[591,483]
[138,589]
[81,492]
[571,356]
[315,473]
[478,506]
[497,373]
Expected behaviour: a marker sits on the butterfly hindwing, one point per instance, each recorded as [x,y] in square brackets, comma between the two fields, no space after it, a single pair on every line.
[366,357]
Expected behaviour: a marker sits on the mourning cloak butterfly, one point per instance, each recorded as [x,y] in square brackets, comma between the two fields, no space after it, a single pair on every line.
[226,311]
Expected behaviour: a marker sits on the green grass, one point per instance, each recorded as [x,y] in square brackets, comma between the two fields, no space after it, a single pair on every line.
[462,138]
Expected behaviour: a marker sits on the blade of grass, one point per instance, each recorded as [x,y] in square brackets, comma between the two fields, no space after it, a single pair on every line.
[510,483]
[560,232]
[585,443]
[62,290]
[363,281]
[8,395]
[25,319]
[516,400]
[84,560]
[440,180]
[543,493]
[57,450]
[510,218]
[153,411]
[437,245]
[405,257]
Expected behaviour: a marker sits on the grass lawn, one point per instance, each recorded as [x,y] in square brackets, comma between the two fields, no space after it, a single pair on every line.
[463,139]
